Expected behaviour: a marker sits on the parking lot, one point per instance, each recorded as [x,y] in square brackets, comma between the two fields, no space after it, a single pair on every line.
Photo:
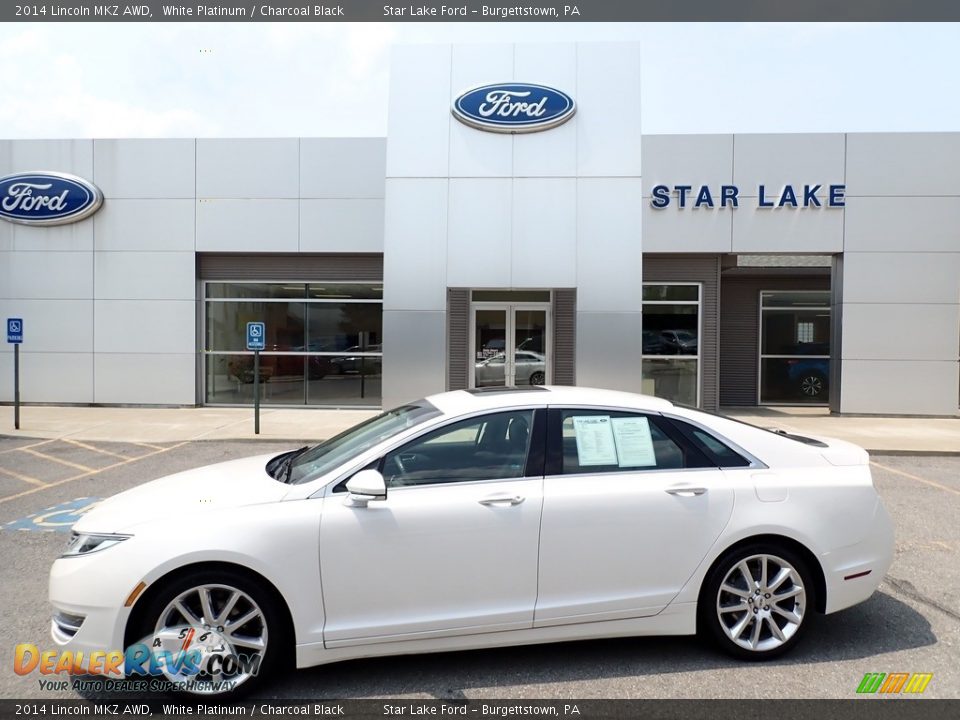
[912,625]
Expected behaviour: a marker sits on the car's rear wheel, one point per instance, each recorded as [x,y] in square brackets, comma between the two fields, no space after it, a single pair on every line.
[221,632]
[537,378]
[756,600]
[812,385]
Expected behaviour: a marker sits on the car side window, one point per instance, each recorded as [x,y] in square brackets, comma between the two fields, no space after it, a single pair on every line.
[490,447]
[601,441]
[722,455]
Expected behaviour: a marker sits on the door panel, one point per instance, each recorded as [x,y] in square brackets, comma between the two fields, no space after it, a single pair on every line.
[490,341]
[619,541]
[619,546]
[453,548]
[434,560]
[530,346]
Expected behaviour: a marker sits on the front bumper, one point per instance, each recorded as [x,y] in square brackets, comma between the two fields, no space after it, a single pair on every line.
[88,611]
[853,573]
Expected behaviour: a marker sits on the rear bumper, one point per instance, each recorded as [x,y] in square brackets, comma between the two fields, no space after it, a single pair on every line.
[853,573]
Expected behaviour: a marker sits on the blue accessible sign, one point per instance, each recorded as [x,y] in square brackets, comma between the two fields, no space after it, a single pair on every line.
[256,336]
[58,518]
[15,330]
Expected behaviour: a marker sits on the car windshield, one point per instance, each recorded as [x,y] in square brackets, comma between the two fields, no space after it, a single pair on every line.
[324,457]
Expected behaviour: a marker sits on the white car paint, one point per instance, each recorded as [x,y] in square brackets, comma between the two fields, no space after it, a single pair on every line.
[433,569]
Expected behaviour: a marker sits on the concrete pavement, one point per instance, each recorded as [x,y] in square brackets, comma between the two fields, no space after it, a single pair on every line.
[159,425]
[126,424]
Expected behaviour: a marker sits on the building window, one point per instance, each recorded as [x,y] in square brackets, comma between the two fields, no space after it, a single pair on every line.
[795,347]
[671,342]
[323,343]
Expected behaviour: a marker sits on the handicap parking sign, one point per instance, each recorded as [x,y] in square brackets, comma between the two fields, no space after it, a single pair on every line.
[256,336]
[57,518]
[14,330]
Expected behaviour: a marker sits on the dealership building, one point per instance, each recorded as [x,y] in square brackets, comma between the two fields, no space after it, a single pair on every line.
[514,227]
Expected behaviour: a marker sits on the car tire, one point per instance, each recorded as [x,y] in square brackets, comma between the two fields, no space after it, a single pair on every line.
[812,385]
[232,598]
[537,378]
[759,617]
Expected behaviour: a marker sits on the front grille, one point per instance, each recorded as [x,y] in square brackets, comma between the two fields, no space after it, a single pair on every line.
[65,625]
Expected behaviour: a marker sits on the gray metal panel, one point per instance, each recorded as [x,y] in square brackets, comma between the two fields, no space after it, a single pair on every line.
[704,269]
[740,329]
[608,350]
[414,355]
[836,332]
[231,266]
[564,337]
[458,338]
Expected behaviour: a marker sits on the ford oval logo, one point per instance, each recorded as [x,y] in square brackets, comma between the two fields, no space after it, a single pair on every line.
[514,108]
[47,198]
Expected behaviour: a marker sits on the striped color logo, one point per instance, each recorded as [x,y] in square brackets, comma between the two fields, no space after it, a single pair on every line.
[894,683]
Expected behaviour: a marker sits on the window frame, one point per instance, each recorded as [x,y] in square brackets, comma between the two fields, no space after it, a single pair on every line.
[533,468]
[553,465]
[698,303]
[761,356]
[204,353]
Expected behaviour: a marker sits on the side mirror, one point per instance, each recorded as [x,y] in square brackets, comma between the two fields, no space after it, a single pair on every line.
[365,486]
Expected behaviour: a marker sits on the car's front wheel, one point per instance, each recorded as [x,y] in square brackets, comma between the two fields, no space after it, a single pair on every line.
[756,600]
[211,633]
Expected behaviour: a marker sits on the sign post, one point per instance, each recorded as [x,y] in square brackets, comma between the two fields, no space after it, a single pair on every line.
[15,336]
[256,341]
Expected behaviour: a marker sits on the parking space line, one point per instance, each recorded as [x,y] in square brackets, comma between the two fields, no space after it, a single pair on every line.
[25,478]
[26,447]
[91,472]
[96,449]
[931,483]
[60,460]
[148,445]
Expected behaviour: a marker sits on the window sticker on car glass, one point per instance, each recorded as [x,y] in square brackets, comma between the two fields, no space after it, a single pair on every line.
[634,442]
[595,444]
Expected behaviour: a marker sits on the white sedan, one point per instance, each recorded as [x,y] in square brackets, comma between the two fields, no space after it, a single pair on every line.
[475,519]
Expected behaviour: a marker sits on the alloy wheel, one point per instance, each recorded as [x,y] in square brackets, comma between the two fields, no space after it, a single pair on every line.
[216,620]
[761,602]
[811,385]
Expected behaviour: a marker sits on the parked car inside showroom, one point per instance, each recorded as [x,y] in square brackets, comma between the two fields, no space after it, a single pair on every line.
[529,368]
[475,519]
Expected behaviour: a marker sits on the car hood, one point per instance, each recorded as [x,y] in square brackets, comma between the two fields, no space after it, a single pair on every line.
[214,487]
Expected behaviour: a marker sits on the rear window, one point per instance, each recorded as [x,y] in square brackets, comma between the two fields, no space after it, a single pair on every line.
[726,457]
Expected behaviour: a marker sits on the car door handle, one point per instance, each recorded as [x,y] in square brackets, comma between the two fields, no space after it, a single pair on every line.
[502,500]
[684,491]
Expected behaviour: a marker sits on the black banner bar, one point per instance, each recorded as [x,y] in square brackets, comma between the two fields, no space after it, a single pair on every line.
[483,11]
[864,708]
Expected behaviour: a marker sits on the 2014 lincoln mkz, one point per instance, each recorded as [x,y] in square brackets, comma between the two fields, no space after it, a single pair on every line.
[474,519]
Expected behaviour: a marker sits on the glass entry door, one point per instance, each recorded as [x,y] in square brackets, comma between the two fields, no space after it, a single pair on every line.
[510,345]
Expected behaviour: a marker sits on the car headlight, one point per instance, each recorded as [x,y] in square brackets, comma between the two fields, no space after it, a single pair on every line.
[86,543]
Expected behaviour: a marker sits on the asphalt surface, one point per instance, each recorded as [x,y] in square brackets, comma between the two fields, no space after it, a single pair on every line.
[911,625]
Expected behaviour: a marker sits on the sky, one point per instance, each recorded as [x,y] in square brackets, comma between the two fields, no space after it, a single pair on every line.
[330,80]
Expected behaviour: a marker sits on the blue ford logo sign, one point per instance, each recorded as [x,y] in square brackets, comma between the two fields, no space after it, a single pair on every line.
[47,198]
[514,108]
